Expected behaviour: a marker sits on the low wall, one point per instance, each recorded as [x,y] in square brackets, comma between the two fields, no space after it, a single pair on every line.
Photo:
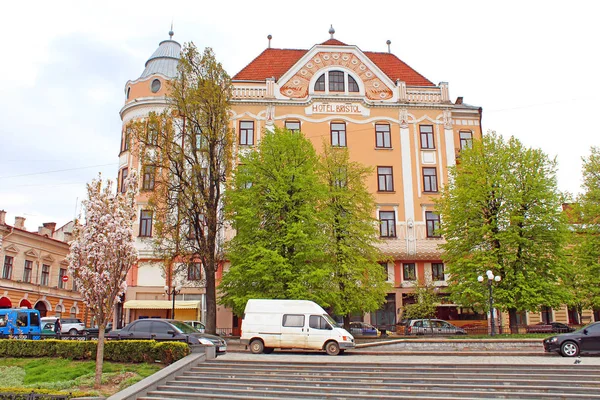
[455,345]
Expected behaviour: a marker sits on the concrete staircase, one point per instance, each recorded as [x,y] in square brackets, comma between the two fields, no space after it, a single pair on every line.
[222,379]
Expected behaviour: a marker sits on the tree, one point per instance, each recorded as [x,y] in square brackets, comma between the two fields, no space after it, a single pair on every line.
[187,150]
[585,216]
[358,282]
[501,211]
[273,205]
[102,252]
[426,302]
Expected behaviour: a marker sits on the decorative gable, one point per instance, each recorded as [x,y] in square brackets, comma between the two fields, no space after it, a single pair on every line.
[32,253]
[48,257]
[298,85]
[11,249]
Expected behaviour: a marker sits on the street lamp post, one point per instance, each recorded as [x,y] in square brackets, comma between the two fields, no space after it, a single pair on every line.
[173,291]
[490,279]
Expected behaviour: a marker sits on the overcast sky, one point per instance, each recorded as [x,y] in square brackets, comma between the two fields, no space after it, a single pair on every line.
[532,65]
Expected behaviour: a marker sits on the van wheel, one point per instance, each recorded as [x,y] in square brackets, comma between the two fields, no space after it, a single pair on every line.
[257,346]
[268,350]
[332,348]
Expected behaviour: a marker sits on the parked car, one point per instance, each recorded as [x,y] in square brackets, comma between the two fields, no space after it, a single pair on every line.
[167,330]
[583,341]
[551,327]
[432,327]
[72,326]
[93,332]
[363,329]
[200,327]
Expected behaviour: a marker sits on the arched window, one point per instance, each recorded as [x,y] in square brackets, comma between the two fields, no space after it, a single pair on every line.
[59,310]
[320,84]
[336,82]
[352,85]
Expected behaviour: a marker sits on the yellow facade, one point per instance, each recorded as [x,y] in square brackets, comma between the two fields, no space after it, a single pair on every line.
[32,268]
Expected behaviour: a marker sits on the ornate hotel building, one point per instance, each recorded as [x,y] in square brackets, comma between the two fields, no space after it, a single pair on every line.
[388,115]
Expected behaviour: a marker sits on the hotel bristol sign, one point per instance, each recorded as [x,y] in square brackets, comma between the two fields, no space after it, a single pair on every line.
[337,108]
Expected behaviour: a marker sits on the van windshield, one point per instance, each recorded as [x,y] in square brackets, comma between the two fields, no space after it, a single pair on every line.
[330,320]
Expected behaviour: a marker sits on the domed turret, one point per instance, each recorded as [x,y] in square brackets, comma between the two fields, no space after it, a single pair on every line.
[164,60]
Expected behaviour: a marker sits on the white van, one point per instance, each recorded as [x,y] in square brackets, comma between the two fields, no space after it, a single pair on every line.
[291,324]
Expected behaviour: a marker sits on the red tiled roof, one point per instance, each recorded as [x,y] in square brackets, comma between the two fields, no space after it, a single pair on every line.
[271,62]
[333,42]
[276,62]
[395,69]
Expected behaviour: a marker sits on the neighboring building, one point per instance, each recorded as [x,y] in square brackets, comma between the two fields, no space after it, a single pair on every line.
[391,118]
[146,296]
[34,267]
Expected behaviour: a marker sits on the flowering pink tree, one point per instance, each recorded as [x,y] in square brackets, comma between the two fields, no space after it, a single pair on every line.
[103,251]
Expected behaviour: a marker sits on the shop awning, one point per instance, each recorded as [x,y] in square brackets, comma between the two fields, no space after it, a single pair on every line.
[161,304]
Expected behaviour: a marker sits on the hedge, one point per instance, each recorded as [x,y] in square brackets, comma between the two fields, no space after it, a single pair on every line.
[19,393]
[131,351]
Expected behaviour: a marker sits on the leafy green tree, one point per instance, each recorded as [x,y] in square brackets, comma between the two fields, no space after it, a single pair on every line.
[501,211]
[359,282]
[585,217]
[187,154]
[426,302]
[273,205]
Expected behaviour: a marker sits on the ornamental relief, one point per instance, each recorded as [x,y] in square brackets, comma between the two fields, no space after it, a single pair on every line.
[298,85]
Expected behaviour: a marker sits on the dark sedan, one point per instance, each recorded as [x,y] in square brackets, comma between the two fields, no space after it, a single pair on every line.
[583,341]
[167,330]
[551,327]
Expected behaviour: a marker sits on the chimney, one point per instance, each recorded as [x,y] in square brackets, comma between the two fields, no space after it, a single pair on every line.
[20,222]
[50,225]
[2,217]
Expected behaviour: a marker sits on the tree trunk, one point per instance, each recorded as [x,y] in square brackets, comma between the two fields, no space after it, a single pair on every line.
[99,356]
[512,320]
[211,298]
[347,322]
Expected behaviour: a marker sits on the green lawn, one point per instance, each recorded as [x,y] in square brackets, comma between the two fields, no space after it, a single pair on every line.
[64,375]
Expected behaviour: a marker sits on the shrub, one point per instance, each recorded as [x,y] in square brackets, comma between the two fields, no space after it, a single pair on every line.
[132,351]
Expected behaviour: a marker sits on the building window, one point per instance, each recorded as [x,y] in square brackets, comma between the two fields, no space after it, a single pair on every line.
[338,134]
[352,85]
[45,279]
[409,272]
[426,136]
[387,223]
[61,272]
[73,312]
[320,84]
[292,126]
[433,224]
[7,270]
[124,173]
[128,92]
[382,136]
[146,223]
[194,272]
[437,272]
[152,133]
[126,139]
[336,81]
[547,315]
[430,180]
[385,179]
[27,271]
[148,177]
[155,86]
[247,133]
[59,310]
[466,140]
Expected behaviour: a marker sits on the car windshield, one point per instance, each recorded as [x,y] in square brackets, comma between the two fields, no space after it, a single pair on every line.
[183,327]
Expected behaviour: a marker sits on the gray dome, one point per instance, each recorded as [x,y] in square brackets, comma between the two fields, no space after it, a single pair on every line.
[164,60]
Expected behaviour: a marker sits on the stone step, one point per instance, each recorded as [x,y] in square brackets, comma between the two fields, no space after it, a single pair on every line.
[500,372]
[537,387]
[267,392]
[381,380]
